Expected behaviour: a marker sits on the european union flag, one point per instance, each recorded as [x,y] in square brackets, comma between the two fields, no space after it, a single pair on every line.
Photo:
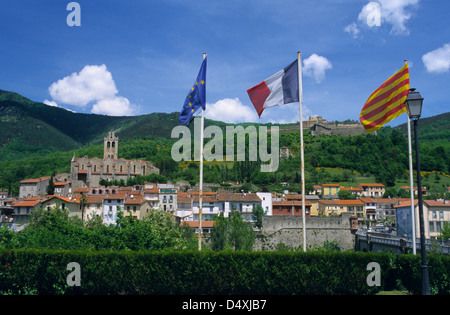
[196,98]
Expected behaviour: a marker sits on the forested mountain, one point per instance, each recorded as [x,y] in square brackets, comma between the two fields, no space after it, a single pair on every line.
[39,140]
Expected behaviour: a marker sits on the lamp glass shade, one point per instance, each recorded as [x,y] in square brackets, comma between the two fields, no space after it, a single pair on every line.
[414,104]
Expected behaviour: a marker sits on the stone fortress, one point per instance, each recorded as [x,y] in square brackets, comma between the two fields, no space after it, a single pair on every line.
[87,172]
[320,126]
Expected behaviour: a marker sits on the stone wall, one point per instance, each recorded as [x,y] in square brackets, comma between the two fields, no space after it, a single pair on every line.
[289,230]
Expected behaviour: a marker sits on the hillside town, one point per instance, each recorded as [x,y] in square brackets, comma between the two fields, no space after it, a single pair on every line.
[80,193]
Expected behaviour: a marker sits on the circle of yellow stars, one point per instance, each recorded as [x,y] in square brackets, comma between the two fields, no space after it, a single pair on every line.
[202,82]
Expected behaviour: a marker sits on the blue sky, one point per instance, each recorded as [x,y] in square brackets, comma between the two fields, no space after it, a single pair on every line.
[142,56]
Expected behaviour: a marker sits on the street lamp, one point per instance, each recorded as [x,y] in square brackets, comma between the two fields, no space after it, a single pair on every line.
[413,104]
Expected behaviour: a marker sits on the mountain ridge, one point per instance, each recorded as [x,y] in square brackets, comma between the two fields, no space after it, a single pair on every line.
[29,127]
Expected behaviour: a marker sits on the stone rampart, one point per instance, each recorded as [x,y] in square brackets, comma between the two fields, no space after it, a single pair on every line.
[289,230]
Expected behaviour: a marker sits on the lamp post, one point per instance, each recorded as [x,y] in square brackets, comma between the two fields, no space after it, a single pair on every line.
[414,107]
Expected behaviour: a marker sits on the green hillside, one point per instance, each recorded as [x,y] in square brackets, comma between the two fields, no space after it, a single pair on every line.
[432,129]
[39,140]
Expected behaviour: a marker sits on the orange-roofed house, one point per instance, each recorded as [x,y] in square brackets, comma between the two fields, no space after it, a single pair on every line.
[435,214]
[94,207]
[290,207]
[72,204]
[22,211]
[372,190]
[207,226]
[242,202]
[112,204]
[337,207]
[330,190]
[33,187]
[137,207]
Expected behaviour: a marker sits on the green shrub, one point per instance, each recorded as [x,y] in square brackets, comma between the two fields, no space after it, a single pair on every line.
[190,273]
[409,272]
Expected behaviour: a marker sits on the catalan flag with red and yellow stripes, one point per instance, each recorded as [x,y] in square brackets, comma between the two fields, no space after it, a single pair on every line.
[387,102]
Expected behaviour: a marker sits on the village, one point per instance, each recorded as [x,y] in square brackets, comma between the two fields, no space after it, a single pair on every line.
[82,195]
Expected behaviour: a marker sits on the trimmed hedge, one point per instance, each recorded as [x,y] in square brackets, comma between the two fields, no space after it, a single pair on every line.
[408,269]
[212,273]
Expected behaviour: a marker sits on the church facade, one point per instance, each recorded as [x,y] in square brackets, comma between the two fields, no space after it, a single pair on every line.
[87,172]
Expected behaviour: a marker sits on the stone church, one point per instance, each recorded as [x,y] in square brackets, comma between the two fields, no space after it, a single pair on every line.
[87,172]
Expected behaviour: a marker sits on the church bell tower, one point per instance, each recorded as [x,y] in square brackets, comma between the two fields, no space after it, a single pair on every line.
[111,146]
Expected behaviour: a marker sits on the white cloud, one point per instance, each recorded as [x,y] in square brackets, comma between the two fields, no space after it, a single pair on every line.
[92,84]
[396,13]
[376,13]
[438,60]
[231,111]
[315,67]
[352,29]
[116,106]
[50,103]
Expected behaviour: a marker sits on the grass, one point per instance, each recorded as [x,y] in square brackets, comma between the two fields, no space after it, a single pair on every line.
[395,292]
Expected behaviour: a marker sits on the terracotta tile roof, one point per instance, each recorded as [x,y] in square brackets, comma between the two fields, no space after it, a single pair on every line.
[391,200]
[120,195]
[195,224]
[435,203]
[135,201]
[248,197]
[76,199]
[204,199]
[26,203]
[94,199]
[289,203]
[80,190]
[31,180]
[406,203]
[367,200]
[183,199]
[342,202]
[371,185]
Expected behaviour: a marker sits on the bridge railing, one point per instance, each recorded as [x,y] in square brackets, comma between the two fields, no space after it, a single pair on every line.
[398,241]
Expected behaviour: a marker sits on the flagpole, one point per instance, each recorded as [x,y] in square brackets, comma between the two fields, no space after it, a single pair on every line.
[200,194]
[411,184]
[300,99]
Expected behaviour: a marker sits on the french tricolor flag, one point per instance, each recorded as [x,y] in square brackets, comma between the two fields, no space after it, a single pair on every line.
[279,89]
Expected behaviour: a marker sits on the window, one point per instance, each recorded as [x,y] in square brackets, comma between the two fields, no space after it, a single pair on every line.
[441,214]
[431,226]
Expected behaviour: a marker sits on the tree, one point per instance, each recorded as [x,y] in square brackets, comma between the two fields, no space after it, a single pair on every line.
[241,236]
[219,234]
[445,231]
[83,200]
[258,213]
[232,232]
[51,187]
[345,195]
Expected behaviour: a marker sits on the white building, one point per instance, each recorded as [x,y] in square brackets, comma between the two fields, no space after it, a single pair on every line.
[111,205]
[266,202]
